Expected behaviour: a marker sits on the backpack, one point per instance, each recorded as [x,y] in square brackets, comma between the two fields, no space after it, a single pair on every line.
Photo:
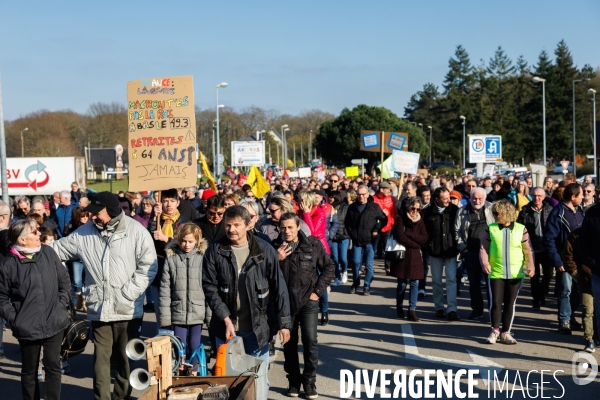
[76,336]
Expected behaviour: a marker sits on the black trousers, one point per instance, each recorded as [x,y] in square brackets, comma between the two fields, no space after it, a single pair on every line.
[504,291]
[305,319]
[540,287]
[378,243]
[110,339]
[473,265]
[30,353]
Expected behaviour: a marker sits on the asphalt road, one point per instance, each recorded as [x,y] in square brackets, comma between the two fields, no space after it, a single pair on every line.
[364,333]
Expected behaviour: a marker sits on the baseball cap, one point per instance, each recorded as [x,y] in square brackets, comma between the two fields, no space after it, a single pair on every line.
[104,200]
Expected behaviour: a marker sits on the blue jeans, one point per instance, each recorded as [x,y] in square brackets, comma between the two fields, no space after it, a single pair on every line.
[324,302]
[568,296]
[76,279]
[339,255]
[252,349]
[357,257]
[414,293]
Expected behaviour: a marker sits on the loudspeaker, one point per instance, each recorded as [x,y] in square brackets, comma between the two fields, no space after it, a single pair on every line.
[139,379]
[135,349]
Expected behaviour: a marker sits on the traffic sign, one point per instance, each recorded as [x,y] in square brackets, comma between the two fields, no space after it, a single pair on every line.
[565,165]
[358,161]
[485,148]
[220,158]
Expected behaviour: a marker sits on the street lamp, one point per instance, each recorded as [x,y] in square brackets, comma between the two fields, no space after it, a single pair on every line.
[464,121]
[283,145]
[22,148]
[430,148]
[537,79]
[421,125]
[220,85]
[574,146]
[593,92]
[285,149]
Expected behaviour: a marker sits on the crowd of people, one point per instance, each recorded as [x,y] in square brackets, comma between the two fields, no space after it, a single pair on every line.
[260,267]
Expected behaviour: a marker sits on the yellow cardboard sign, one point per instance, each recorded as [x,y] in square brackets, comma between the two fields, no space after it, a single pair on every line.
[162,133]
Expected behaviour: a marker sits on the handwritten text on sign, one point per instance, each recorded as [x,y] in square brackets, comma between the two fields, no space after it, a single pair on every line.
[404,161]
[162,133]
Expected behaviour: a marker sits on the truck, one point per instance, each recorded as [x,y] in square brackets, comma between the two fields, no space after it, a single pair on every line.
[31,176]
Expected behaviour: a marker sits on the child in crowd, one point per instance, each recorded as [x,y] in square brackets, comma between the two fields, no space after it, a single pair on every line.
[181,296]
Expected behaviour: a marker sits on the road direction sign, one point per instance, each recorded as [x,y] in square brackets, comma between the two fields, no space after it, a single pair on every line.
[358,161]
[485,148]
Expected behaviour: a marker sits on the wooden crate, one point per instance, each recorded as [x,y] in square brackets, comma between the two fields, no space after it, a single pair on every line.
[244,389]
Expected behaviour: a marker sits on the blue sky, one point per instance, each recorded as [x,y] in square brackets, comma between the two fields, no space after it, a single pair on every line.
[282,55]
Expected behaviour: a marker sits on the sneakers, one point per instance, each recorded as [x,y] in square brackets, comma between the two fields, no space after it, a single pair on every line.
[344,277]
[493,337]
[40,376]
[453,316]
[352,289]
[310,390]
[65,368]
[475,317]
[564,328]
[294,390]
[590,347]
[337,282]
[422,293]
[366,292]
[507,338]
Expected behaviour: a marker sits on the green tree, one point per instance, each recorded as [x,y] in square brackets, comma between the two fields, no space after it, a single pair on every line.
[339,140]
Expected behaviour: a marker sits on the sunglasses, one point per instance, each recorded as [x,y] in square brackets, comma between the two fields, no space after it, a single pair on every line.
[215,214]
[588,191]
[274,210]
[415,209]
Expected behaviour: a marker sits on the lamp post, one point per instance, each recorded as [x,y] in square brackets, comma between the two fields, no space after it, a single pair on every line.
[537,79]
[593,92]
[421,126]
[220,85]
[464,122]
[309,146]
[284,145]
[574,136]
[269,153]
[23,148]
[430,148]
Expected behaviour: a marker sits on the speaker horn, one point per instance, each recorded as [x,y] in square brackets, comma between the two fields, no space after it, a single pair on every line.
[139,379]
[135,349]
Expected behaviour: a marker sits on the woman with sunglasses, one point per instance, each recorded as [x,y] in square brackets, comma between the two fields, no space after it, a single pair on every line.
[34,295]
[409,230]
[506,257]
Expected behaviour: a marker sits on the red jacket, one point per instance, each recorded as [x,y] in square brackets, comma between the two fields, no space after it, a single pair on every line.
[388,206]
[317,222]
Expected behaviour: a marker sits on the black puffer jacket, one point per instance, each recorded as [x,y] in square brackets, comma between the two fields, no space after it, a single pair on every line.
[264,283]
[307,270]
[360,226]
[342,233]
[38,290]
[440,230]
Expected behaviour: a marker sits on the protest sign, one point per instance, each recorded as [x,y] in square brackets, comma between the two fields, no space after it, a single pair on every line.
[162,133]
[404,161]
[304,172]
[351,171]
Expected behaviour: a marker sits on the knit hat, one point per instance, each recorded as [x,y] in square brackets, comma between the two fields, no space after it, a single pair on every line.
[456,194]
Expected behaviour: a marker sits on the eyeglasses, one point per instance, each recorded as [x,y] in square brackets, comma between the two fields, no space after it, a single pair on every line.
[35,231]
[215,214]
[588,191]
[415,209]
[274,210]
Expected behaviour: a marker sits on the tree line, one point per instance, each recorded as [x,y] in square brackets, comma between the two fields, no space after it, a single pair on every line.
[67,133]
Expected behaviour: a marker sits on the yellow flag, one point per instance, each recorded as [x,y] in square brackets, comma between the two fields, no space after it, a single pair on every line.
[207,173]
[260,186]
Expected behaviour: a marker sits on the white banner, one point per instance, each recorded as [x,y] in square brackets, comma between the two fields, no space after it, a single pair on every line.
[304,172]
[247,154]
[32,176]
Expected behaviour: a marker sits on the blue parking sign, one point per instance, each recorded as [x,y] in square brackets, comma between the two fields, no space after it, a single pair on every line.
[493,148]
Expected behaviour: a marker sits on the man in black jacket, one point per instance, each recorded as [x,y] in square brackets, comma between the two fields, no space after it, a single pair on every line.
[240,279]
[534,216]
[442,249]
[307,270]
[363,221]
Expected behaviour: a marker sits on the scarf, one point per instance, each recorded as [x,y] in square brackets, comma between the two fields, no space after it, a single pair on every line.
[416,219]
[26,250]
[110,227]
[167,223]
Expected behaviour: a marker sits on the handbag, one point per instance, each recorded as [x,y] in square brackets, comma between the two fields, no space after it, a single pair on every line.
[75,337]
[394,251]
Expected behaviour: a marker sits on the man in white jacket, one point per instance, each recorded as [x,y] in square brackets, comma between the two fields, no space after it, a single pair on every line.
[120,262]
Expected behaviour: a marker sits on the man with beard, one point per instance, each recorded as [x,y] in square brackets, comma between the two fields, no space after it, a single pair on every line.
[471,223]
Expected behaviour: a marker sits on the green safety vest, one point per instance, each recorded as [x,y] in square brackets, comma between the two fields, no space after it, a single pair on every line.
[506,256]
